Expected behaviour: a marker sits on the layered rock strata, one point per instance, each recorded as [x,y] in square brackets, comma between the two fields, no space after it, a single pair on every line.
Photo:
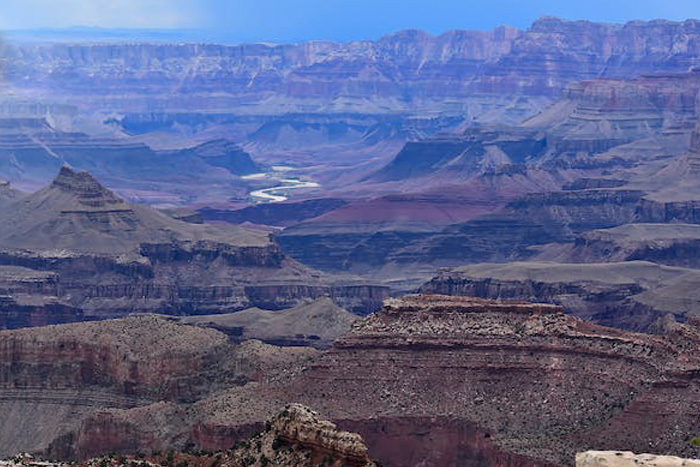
[510,389]
[631,295]
[105,258]
[52,377]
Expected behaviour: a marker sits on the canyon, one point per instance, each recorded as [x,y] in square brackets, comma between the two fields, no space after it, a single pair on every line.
[472,248]
[523,404]
[76,247]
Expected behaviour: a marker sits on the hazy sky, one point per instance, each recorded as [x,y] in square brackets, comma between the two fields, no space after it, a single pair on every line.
[292,20]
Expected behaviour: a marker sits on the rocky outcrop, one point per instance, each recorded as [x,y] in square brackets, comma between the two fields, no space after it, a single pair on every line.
[315,441]
[629,459]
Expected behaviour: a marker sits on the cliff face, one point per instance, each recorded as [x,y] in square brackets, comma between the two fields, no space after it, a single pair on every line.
[78,246]
[522,362]
[672,244]
[538,61]
[52,377]
[510,389]
[112,355]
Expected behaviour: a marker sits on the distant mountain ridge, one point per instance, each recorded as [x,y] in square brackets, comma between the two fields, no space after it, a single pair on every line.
[408,70]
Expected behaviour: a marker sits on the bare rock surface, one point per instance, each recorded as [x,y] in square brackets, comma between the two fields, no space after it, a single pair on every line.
[51,377]
[509,389]
[107,258]
[629,459]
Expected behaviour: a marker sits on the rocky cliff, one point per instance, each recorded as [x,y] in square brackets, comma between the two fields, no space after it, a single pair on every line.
[549,55]
[52,377]
[510,389]
[671,244]
[105,258]
[524,404]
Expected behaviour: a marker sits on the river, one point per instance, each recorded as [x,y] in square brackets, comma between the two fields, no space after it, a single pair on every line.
[280,192]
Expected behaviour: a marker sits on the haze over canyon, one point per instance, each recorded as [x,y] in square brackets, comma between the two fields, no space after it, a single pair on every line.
[465,249]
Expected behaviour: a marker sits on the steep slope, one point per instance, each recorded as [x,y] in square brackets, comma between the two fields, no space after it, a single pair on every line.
[77,213]
[112,258]
[225,154]
[509,389]
[367,75]
[296,436]
[53,376]
[33,149]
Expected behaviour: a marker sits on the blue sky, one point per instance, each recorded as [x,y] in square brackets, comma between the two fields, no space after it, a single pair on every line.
[294,20]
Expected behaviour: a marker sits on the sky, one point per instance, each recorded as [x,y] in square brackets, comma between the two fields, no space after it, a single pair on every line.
[297,20]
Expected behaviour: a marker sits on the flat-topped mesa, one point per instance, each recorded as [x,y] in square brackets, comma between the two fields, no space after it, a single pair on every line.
[444,322]
[86,189]
[429,303]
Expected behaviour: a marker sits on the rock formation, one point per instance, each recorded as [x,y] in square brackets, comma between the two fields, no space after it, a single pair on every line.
[539,61]
[671,244]
[297,436]
[51,377]
[629,294]
[629,459]
[106,258]
[316,324]
[509,389]
[523,404]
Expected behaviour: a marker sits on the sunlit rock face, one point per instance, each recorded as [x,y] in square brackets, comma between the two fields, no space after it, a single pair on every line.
[629,459]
